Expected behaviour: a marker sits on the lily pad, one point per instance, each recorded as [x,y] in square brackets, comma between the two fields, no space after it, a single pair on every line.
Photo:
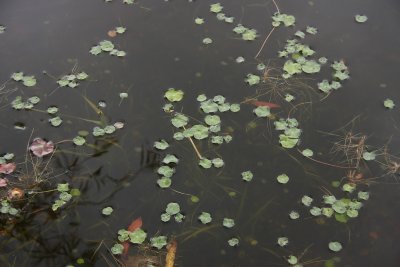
[247,176]
[228,222]
[388,103]
[283,241]
[172,208]
[138,236]
[107,211]
[216,8]
[158,241]
[174,95]
[252,79]
[205,217]
[369,155]
[335,246]
[282,178]
[164,182]
[360,18]
[29,81]
[262,111]
[307,152]
[161,145]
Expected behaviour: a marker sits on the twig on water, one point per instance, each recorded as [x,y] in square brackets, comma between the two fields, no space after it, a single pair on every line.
[269,34]
[194,146]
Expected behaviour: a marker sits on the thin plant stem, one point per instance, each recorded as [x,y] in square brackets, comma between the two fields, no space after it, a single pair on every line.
[194,146]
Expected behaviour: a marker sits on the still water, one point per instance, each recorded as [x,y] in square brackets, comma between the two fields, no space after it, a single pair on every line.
[164,49]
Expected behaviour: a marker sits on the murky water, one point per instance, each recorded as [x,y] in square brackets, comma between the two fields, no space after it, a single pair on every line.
[164,49]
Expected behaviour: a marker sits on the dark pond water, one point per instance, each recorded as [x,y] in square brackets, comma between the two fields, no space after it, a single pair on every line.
[49,39]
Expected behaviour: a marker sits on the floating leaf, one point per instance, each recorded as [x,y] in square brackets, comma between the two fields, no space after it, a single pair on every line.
[239,59]
[158,241]
[207,41]
[179,120]
[307,152]
[289,97]
[315,211]
[174,95]
[262,111]
[228,222]
[335,246]
[164,182]
[40,147]
[107,211]
[235,107]
[109,129]
[311,66]
[52,110]
[117,249]
[82,76]
[218,162]
[165,217]
[205,217]
[29,81]
[95,50]
[106,45]
[17,76]
[360,18]
[198,21]
[306,200]
[172,208]
[216,8]
[233,242]
[205,163]
[166,171]
[170,159]
[161,145]
[79,140]
[179,217]
[363,195]
[311,30]
[294,215]
[138,236]
[247,176]
[292,260]
[283,241]
[252,79]
[369,155]
[282,178]
[212,119]
[388,103]
[120,30]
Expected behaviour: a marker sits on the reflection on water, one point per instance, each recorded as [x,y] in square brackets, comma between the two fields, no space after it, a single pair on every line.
[118,168]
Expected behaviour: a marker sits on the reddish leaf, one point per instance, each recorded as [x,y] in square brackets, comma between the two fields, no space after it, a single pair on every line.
[264,104]
[40,147]
[7,168]
[3,182]
[136,224]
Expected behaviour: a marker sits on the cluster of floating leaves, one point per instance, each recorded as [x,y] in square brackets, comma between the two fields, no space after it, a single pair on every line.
[65,195]
[283,19]
[7,208]
[172,209]
[98,131]
[291,133]
[2,29]
[106,46]
[28,81]
[247,34]
[342,209]
[340,73]
[18,103]
[71,80]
